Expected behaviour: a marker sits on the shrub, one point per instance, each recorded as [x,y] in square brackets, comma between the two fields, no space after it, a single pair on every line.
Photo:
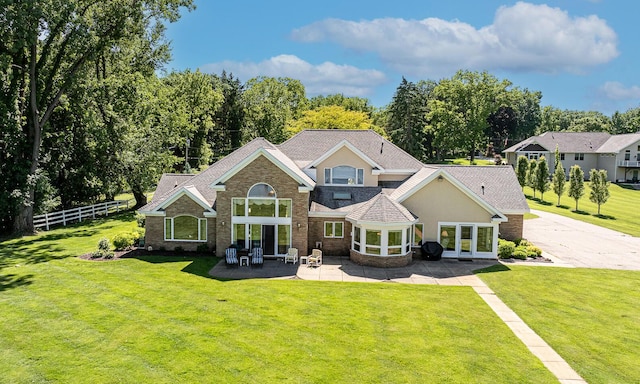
[523,243]
[141,219]
[203,248]
[124,240]
[520,252]
[533,251]
[104,250]
[505,248]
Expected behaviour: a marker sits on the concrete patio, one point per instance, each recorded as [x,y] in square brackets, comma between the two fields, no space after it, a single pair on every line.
[340,268]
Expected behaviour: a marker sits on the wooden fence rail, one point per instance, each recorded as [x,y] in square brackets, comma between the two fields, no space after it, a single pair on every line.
[78,214]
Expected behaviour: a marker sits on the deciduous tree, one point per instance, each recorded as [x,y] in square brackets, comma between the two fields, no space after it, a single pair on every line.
[599,187]
[532,176]
[522,168]
[559,177]
[576,183]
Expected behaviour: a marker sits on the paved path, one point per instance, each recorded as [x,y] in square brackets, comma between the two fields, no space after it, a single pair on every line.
[582,244]
[444,272]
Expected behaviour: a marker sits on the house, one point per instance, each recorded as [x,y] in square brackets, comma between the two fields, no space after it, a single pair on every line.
[347,192]
[619,155]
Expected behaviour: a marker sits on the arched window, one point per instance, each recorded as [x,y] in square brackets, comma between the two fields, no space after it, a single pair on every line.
[344,175]
[262,190]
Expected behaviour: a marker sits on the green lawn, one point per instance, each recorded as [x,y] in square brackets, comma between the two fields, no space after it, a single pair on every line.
[465,161]
[590,317]
[162,320]
[618,213]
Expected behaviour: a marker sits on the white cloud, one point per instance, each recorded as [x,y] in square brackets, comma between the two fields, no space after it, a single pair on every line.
[617,91]
[523,37]
[325,78]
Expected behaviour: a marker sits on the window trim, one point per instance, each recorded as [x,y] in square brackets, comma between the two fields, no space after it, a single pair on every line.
[358,172]
[474,237]
[173,231]
[383,247]
[333,229]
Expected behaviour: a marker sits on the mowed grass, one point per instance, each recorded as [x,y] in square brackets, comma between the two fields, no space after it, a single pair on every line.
[590,317]
[162,320]
[619,213]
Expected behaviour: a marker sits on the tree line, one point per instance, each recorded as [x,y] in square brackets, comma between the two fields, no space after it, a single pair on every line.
[87,110]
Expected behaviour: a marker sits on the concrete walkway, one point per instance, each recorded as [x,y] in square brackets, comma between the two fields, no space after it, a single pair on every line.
[581,244]
[444,272]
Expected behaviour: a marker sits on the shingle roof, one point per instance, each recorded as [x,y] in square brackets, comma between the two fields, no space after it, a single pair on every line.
[568,142]
[324,195]
[202,180]
[501,187]
[310,145]
[616,143]
[168,182]
[381,209]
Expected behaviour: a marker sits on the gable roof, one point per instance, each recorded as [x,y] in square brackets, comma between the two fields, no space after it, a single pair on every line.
[310,145]
[616,143]
[381,209]
[351,147]
[568,142]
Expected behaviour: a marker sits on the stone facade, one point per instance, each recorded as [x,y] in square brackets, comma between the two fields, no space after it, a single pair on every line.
[330,246]
[262,170]
[512,229]
[154,226]
[381,261]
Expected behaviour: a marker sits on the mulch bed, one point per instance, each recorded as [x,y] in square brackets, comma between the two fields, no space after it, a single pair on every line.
[136,252]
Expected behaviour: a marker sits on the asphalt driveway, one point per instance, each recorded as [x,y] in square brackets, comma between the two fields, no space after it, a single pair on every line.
[582,244]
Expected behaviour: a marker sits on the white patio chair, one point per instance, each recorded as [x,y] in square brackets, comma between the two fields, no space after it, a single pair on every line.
[315,259]
[292,256]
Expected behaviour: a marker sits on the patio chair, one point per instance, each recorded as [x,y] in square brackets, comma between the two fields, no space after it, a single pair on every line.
[257,257]
[292,256]
[315,259]
[231,257]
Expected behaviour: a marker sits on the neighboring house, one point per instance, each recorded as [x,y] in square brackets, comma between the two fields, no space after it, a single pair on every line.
[346,192]
[619,155]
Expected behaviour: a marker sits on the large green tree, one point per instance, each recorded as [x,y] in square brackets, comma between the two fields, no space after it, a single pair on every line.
[350,103]
[522,169]
[229,118]
[407,118]
[270,104]
[542,177]
[331,117]
[46,47]
[460,107]
[559,177]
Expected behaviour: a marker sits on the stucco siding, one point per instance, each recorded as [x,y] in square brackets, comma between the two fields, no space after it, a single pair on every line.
[441,201]
[344,156]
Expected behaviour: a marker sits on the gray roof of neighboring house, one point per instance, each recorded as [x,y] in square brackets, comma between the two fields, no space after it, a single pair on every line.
[310,145]
[568,142]
[616,143]
[501,187]
[383,209]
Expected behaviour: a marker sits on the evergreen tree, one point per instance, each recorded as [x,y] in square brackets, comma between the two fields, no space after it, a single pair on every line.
[407,119]
[531,176]
[599,187]
[576,183]
[542,177]
[522,168]
[559,177]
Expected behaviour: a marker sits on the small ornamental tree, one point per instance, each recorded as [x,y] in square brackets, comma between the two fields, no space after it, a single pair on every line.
[599,187]
[531,176]
[522,168]
[542,177]
[559,177]
[576,183]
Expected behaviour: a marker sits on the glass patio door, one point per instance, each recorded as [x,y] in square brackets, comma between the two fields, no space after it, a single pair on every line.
[263,236]
[466,239]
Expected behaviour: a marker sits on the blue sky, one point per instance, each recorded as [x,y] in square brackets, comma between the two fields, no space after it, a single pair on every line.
[581,54]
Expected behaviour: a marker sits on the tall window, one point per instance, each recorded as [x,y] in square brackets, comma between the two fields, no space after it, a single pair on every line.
[374,241]
[562,157]
[448,237]
[185,228]
[334,229]
[485,239]
[356,238]
[261,201]
[344,175]
[394,242]
[627,155]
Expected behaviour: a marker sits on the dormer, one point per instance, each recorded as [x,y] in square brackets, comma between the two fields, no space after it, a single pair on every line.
[345,165]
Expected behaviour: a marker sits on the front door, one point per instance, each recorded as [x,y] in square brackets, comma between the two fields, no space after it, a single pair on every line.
[466,239]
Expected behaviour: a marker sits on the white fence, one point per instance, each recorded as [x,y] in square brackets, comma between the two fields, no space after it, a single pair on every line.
[78,214]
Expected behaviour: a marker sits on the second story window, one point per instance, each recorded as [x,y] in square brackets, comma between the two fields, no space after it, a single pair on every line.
[344,175]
